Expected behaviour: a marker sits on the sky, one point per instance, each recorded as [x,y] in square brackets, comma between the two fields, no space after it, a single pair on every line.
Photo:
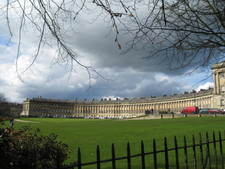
[119,75]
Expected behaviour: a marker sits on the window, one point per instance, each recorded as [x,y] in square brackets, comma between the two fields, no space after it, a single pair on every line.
[222,88]
[222,102]
[221,75]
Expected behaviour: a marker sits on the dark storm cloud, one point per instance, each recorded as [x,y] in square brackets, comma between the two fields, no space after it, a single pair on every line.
[101,49]
[133,86]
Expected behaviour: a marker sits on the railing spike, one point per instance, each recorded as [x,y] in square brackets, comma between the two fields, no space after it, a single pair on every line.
[142,154]
[166,154]
[79,158]
[176,152]
[154,154]
[98,157]
[185,153]
[113,157]
[215,151]
[128,156]
[194,152]
[221,150]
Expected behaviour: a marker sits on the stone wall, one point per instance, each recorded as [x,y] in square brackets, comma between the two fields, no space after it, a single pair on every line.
[126,108]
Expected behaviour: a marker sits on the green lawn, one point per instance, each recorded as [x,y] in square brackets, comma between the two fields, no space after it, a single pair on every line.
[88,133]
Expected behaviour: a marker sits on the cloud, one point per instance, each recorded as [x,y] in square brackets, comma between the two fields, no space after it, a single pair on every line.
[127,75]
[100,48]
[205,86]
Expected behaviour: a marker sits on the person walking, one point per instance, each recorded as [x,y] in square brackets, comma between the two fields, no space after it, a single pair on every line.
[11,123]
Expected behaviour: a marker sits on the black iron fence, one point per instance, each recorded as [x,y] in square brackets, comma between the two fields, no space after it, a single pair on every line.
[204,152]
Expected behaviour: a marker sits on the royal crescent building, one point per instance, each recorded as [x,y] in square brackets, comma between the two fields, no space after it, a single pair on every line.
[125,108]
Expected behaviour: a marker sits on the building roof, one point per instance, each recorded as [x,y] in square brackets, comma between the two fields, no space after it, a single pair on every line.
[151,99]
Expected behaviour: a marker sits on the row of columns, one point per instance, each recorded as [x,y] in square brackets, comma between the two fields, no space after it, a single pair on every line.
[177,106]
[110,110]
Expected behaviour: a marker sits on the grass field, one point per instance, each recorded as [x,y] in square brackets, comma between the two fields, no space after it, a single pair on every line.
[88,133]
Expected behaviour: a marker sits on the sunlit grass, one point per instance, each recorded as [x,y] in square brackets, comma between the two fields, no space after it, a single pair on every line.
[88,133]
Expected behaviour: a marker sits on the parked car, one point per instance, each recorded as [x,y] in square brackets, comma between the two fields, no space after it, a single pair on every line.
[214,111]
[210,111]
[223,111]
[203,111]
[190,110]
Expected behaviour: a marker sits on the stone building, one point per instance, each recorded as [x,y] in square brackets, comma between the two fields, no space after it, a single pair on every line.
[8,109]
[107,108]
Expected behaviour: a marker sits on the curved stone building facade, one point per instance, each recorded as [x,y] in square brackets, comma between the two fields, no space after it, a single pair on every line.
[107,108]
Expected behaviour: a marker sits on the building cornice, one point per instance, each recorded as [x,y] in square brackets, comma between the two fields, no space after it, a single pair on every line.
[152,99]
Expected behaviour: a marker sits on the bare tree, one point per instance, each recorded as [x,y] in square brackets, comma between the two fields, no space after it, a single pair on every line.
[183,31]
[4,106]
[2,98]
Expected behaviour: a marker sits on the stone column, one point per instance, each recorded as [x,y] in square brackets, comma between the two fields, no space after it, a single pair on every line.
[215,83]
[218,83]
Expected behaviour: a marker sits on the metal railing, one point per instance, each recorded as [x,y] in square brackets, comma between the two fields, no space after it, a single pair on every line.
[207,154]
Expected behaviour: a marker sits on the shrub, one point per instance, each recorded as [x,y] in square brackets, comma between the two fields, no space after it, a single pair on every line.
[26,149]
[163,112]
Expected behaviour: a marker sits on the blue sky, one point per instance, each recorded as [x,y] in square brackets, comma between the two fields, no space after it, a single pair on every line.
[127,75]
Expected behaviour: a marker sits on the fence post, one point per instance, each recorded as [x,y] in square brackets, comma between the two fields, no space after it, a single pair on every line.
[79,158]
[154,154]
[201,151]
[166,154]
[176,152]
[194,152]
[185,152]
[98,157]
[142,155]
[208,149]
[215,152]
[221,150]
[113,157]
[128,156]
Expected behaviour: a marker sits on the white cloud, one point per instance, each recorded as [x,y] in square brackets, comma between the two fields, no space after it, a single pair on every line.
[205,86]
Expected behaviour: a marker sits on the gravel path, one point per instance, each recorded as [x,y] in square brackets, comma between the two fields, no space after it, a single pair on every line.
[25,121]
